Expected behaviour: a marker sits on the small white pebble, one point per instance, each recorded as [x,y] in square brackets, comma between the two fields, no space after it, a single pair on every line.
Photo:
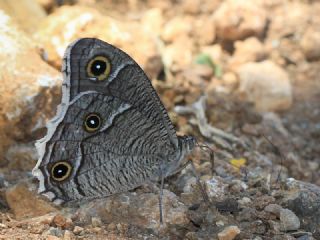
[220,223]
[3,225]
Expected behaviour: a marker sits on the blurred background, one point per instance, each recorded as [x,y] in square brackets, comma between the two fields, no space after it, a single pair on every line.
[245,75]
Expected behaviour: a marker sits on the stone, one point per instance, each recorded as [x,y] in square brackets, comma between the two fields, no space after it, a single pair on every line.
[69,23]
[78,230]
[55,231]
[191,6]
[248,50]
[229,233]
[24,202]
[139,209]
[216,188]
[274,209]
[152,21]
[21,157]
[310,43]
[48,5]
[28,14]
[237,20]
[247,214]
[204,30]
[245,201]
[304,200]
[62,221]
[266,85]
[176,27]
[275,226]
[27,85]
[96,222]
[291,18]
[178,55]
[68,235]
[289,220]
[51,237]
[230,79]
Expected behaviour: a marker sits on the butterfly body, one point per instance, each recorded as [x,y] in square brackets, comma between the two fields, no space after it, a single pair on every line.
[111,132]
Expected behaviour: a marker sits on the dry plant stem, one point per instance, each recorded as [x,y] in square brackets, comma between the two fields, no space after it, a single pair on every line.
[161,46]
[278,153]
[216,135]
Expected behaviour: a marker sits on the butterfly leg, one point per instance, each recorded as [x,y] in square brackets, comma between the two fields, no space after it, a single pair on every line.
[161,195]
[201,186]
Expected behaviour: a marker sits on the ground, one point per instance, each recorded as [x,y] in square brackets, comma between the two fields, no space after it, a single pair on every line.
[240,76]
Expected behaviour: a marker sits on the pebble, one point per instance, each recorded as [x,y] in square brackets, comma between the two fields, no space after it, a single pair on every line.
[59,220]
[289,220]
[274,209]
[96,222]
[78,230]
[68,235]
[3,225]
[229,233]
[55,232]
[51,237]
[244,201]
[239,19]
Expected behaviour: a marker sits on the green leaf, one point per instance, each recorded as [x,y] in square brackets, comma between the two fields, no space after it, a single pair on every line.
[205,59]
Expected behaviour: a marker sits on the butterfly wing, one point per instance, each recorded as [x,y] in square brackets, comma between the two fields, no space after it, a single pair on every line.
[121,154]
[125,80]
[80,159]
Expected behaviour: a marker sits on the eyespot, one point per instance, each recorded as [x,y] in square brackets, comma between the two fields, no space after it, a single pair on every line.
[92,122]
[99,68]
[61,171]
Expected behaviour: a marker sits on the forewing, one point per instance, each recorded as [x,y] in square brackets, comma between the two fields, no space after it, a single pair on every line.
[126,81]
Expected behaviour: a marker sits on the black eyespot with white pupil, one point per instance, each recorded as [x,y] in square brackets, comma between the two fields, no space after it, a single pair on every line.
[92,122]
[61,171]
[98,67]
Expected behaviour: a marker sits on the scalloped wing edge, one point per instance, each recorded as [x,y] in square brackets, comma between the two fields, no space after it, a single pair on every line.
[56,120]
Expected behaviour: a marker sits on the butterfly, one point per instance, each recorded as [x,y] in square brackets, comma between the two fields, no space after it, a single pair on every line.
[111,132]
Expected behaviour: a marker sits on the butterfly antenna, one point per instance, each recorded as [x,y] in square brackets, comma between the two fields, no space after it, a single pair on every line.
[277,151]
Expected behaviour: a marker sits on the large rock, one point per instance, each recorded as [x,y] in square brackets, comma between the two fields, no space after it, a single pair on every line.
[304,200]
[266,85]
[29,88]
[240,19]
[71,22]
[249,50]
[138,209]
[28,14]
[24,202]
[310,43]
